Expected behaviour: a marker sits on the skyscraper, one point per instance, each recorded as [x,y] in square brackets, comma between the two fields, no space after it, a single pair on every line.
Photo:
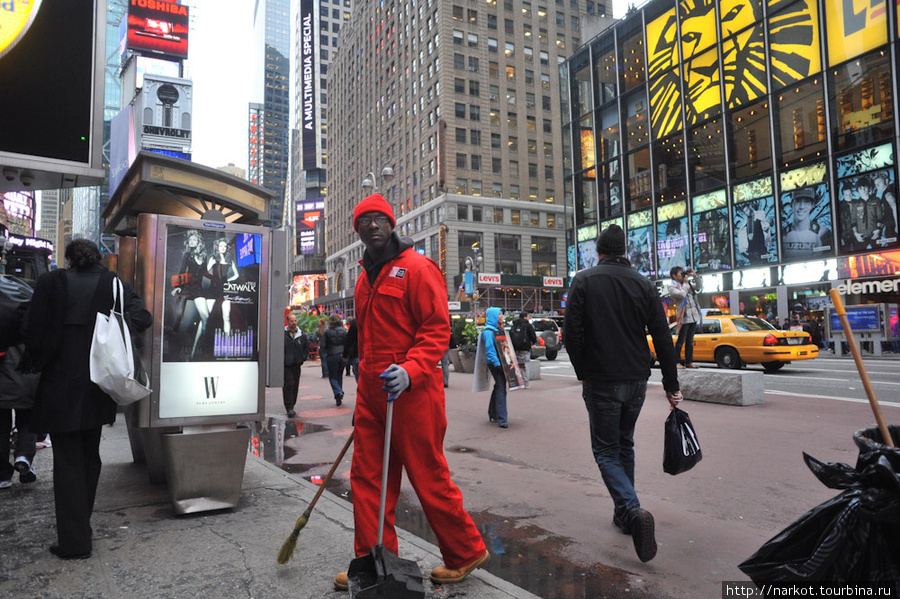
[462,101]
[276,103]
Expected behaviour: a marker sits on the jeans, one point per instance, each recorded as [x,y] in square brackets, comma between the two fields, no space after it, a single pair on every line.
[25,440]
[686,338]
[497,407]
[291,386]
[336,374]
[445,367]
[613,409]
[523,358]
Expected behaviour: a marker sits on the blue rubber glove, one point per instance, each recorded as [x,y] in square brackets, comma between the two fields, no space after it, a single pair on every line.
[396,380]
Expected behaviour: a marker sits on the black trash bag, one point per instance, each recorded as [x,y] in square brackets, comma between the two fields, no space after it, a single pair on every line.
[681,449]
[854,536]
[15,296]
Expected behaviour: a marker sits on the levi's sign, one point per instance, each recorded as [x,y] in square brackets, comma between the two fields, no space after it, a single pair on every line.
[488,278]
[553,282]
[856,287]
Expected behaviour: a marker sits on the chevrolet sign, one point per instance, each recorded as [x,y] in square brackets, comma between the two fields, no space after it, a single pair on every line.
[167,132]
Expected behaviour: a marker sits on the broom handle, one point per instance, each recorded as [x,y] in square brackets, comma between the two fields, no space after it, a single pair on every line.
[864,375]
[334,466]
[384,470]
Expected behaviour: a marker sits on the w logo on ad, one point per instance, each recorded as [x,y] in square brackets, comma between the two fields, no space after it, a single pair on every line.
[212,386]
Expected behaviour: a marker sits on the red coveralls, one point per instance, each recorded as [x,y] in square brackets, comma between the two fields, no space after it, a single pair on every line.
[403,319]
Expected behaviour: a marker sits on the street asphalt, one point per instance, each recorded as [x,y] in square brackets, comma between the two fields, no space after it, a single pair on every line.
[142,549]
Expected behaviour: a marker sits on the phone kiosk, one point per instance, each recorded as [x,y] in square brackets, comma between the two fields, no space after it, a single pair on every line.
[193,246]
[867,321]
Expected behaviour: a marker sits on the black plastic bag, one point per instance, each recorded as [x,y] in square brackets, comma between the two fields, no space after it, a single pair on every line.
[852,536]
[15,296]
[681,450]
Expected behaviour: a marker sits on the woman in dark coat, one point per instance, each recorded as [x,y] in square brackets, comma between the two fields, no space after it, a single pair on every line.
[69,406]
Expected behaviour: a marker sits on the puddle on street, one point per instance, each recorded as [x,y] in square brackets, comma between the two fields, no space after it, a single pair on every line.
[524,555]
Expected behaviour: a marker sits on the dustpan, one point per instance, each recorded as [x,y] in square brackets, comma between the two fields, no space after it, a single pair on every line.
[383,574]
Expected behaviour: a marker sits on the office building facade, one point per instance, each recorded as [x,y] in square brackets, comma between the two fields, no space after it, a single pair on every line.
[754,140]
[461,100]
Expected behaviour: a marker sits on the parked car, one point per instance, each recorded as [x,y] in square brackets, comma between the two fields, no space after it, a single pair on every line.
[549,338]
[732,341]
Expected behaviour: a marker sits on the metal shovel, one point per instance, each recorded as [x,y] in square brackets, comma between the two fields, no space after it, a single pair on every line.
[382,574]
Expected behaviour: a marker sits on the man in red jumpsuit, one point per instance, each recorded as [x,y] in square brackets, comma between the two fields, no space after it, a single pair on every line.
[402,316]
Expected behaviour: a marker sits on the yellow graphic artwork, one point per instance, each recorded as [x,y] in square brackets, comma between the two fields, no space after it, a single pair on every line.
[854,27]
[16,16]
[793,55]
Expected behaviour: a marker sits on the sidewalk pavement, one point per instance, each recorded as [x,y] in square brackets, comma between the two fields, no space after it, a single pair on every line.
[142,549]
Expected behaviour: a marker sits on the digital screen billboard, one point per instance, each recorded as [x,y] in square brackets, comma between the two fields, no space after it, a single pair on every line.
[860,318]
[306,287]
[309,213]
[158,27]
[47,78]
[309,83]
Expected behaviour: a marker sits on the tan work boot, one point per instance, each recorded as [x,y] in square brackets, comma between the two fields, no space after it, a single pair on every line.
[340,582]
[442,574]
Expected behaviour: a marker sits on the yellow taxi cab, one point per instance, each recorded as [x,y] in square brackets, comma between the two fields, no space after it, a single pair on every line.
[732,341]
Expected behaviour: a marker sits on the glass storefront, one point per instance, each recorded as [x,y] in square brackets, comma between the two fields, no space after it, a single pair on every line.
[731,135]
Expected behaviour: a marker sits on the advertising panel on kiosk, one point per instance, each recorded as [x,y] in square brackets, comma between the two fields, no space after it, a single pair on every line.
[211,362]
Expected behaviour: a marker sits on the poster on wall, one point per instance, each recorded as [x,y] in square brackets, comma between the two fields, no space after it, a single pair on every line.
[806,222]
[587,246]
[854,28]
[754,232]
[711,238]
[867,200]
[210,346]
[672,241]
[640,242]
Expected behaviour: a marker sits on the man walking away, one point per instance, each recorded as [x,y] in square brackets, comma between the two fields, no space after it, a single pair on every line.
[523,337]
[296,350]
[683,290]
[609,307]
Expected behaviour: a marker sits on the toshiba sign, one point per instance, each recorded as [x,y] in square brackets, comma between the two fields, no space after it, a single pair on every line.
[857,287]
[553,282]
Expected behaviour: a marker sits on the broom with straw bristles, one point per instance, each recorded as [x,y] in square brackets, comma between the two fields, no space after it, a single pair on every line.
[287,550]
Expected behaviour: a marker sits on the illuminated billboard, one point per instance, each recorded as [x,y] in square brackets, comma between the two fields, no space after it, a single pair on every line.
[255,139]
[310,216]
[306,287]
[166,113]
[158,27]
[51,101]
[854,28]
[309,83]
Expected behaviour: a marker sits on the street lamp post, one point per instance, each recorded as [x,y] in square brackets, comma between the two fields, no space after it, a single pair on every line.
[369,183]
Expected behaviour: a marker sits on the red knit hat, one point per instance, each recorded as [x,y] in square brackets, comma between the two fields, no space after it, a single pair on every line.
[373,203]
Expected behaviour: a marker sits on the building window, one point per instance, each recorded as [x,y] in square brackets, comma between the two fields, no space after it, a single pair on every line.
[474,113]
[510,73]
[457,37]
[492,45]
[474,89]
[509,49]
[498,216]
[495,137]
[751,152]
[800,116]
[477,215]
[530,121]
[508,26]
[548,126]
[492,21]
[548,174]
[476,162]
[460,109]
[475,137]
[466,240]
[473,64]
[494,69]
[497,190]
[529,77]
[508,253]
[473,40]
[545,58]
[513,143]
[496,165]
[476,188]
[514,192]
[495,93]
[858,89]
[462,186]
[532,170]
[529,54]
[706,156]
[459,61]
[459,85]
[460,135]
[462,212]
[560,19]
[511,96]
[545,80]
[457,13]
[460,160]
[514,169]
[495,119]
[545,102]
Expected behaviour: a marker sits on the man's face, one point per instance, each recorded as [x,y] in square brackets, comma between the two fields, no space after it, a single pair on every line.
[802,208]
[863,191]
[375,235]
[679,276]
[292,323]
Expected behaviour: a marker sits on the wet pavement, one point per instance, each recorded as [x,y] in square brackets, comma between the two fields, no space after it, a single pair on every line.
[522,553]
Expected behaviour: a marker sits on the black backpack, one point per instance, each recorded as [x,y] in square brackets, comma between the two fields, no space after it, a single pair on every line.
[519,336]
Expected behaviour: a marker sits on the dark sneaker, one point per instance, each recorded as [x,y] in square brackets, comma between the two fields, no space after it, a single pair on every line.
[5,484]
[26,472]
[642,533]
[622,523]
[291,413]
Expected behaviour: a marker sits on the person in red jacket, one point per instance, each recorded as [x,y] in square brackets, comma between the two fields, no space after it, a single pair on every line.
[401,318]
